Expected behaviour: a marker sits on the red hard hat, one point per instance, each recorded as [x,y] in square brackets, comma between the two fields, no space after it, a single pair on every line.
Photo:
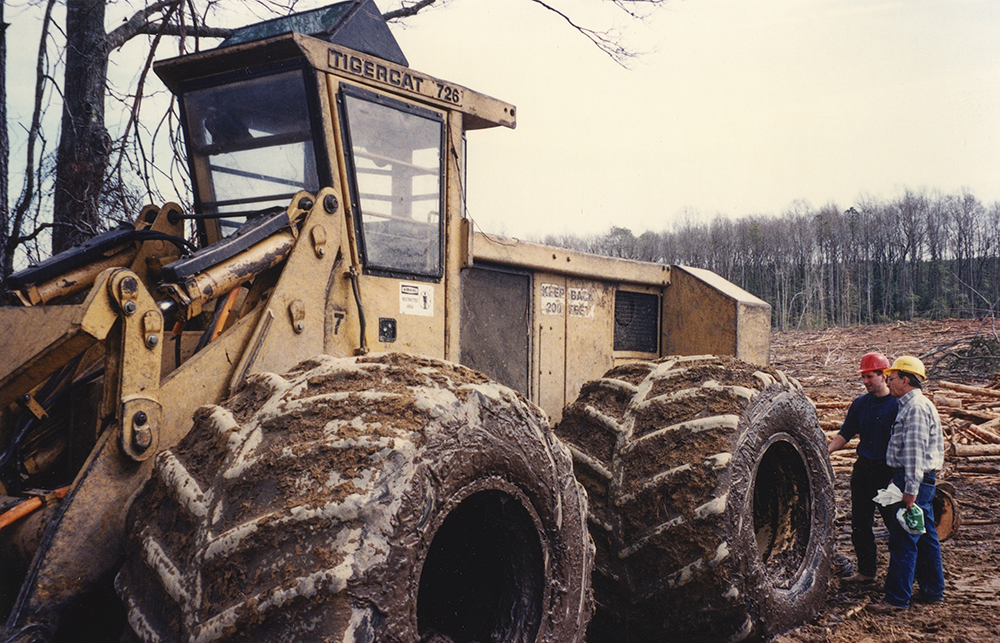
[873,362]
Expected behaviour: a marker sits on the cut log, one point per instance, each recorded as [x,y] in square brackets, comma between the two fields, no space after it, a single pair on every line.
[978,468]
[983,434]
[977,390]
[991,425]
[982,458]
[968,414]
[977,449]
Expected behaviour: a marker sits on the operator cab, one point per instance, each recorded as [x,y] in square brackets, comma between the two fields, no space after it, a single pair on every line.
[269,113]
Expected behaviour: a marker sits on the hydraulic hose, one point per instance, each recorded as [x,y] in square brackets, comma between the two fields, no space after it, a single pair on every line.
[353,274]
[30,505]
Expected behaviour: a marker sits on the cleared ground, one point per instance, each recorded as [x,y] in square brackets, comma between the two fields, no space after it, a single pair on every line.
[825,363]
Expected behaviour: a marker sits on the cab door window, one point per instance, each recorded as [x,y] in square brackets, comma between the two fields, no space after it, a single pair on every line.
[395,154]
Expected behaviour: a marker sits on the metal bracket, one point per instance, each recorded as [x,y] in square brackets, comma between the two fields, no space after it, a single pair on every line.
[138,372]
[140,436]
[318,235]
[31,405]
[297,311]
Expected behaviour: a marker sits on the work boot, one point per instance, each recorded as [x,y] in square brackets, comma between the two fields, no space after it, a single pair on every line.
[920,597]
[860,578]
[884,608]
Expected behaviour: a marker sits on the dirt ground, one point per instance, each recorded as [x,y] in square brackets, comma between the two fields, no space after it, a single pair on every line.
[825,363]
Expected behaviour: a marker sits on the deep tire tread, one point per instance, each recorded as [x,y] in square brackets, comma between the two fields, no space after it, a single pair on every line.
[664,549]
[258,522]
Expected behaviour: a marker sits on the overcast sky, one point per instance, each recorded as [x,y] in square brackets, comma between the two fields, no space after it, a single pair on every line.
[737,107]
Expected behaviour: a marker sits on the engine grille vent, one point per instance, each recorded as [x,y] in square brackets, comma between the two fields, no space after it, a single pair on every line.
[637,322]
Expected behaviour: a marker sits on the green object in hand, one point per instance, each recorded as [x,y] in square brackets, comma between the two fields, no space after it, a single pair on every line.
[912,519]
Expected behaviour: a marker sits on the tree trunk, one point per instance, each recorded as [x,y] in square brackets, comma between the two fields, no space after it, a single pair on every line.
[4,152]
[84,144]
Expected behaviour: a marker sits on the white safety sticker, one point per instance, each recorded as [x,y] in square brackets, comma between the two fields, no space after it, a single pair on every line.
[553,299]
[581,302]
[416,299]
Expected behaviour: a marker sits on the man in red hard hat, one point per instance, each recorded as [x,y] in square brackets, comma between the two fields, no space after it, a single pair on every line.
[870,417]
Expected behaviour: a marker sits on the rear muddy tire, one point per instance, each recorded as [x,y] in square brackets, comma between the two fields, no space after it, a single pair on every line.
[385,498]
[711,500]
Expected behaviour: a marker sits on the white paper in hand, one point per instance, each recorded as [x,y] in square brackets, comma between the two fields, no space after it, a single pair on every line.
[888,496]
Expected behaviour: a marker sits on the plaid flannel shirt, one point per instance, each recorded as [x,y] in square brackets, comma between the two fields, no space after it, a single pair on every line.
[917,443]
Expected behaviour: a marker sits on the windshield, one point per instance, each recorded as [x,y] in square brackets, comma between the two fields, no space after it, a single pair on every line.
[251,143]
[397,160]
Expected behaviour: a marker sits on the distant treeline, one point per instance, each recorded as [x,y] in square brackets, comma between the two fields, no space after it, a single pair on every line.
[918,255]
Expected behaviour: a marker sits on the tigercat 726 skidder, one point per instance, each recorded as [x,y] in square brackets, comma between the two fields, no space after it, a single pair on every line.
[321,408]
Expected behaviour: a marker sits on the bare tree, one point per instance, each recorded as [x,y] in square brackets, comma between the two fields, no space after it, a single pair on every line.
[4,146]
[90,184]
[79,199]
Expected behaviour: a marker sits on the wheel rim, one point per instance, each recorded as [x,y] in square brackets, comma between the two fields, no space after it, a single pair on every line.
[483,577]
[781,511]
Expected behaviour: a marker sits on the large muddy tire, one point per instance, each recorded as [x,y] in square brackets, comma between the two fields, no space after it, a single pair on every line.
[711,500]
[387,498]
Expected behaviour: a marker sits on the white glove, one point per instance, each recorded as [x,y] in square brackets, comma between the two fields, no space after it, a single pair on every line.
[888,496]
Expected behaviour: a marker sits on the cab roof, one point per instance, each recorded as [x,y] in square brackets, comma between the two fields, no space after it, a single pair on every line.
[348,39]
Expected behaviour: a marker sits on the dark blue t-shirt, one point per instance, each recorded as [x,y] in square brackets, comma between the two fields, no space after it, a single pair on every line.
[871,418]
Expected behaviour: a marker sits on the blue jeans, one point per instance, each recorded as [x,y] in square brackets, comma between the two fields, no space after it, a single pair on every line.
[912,556]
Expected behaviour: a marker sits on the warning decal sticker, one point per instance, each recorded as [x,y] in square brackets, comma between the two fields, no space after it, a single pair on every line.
[553,299]
[581,302]
[416,299]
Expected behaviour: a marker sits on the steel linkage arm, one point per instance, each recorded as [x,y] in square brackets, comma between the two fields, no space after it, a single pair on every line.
[83,540]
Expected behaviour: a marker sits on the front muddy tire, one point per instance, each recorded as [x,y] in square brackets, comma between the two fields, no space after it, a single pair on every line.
[711,500]
[387,498]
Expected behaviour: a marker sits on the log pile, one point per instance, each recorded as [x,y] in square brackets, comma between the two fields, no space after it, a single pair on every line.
[970,418]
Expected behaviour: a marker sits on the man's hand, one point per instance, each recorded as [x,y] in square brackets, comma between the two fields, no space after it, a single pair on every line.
[909,499]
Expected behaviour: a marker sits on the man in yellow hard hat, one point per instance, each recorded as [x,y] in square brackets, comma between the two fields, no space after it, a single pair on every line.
[916,454]
[870,417]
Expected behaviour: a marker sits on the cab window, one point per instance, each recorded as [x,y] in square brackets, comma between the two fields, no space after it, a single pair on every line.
[251,142]
[395,158]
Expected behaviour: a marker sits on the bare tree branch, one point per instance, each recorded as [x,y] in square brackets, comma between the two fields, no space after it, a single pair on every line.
[141,24]
[407,11]
[41,228]
[34,134]
[603,40]
[133,120]
[170,29]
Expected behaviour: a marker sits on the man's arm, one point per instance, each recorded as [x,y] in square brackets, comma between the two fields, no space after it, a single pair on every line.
[848,429]
[916,441]
[836,443]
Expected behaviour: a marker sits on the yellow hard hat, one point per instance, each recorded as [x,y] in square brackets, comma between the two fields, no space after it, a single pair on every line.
[908,364]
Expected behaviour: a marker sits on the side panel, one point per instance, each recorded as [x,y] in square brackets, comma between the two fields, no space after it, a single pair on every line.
[496,325]
[403,315]
[705,314]
[590,307]
[549,348]
[753,342]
